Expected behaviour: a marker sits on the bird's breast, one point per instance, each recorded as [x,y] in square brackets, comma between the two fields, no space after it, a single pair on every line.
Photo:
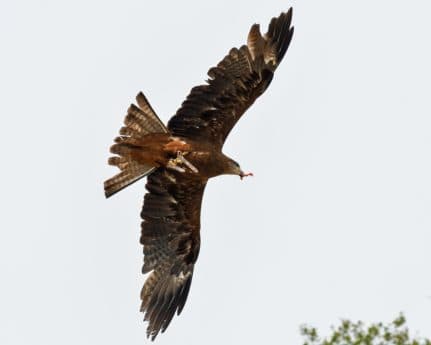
[205,162]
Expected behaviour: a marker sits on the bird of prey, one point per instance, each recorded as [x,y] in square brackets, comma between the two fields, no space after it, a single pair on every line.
[180,158]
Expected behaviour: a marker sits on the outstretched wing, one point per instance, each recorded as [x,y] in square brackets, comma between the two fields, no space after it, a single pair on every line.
[210,111]
[170,235]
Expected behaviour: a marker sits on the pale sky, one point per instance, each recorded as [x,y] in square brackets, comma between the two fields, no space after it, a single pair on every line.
[335,224]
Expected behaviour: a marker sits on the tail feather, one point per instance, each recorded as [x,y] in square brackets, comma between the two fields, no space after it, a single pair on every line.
[143,119]
[145,106]
[130,141]
[139,122]
[129,132]
[121,162]
[125,178]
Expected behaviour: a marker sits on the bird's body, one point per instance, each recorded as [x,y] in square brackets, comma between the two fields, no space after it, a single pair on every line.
[161,149]
[180,158]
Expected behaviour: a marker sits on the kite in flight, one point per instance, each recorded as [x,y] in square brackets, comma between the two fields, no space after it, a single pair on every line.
[180,158]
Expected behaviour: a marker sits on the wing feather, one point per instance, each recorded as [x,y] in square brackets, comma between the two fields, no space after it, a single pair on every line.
[210,111]
[170,235]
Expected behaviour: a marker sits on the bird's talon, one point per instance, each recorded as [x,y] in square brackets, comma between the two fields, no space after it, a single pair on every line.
[173,165]
[178,160]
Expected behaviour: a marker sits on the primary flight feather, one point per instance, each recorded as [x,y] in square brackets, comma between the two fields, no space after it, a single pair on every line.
[180,158]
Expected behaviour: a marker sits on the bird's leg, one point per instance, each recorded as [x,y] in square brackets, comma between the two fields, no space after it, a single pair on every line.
[173,165]
[180,159]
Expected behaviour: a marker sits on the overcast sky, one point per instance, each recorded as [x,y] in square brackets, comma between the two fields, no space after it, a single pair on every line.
[335,224]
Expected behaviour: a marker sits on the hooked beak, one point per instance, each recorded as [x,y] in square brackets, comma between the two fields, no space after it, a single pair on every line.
[242,174]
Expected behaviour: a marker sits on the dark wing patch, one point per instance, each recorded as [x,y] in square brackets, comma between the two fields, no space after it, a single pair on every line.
[210,111]
[170,235]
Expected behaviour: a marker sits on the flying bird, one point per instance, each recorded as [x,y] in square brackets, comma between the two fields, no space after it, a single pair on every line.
[180,158]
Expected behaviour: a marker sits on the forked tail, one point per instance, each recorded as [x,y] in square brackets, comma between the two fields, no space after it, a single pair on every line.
[140,120]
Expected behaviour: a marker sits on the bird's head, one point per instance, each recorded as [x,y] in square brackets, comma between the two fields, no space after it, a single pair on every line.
[233,168]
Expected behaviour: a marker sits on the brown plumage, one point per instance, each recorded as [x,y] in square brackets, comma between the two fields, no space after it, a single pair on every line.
[180,159]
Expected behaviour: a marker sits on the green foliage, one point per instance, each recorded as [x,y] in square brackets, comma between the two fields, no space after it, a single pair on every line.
[357,333]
